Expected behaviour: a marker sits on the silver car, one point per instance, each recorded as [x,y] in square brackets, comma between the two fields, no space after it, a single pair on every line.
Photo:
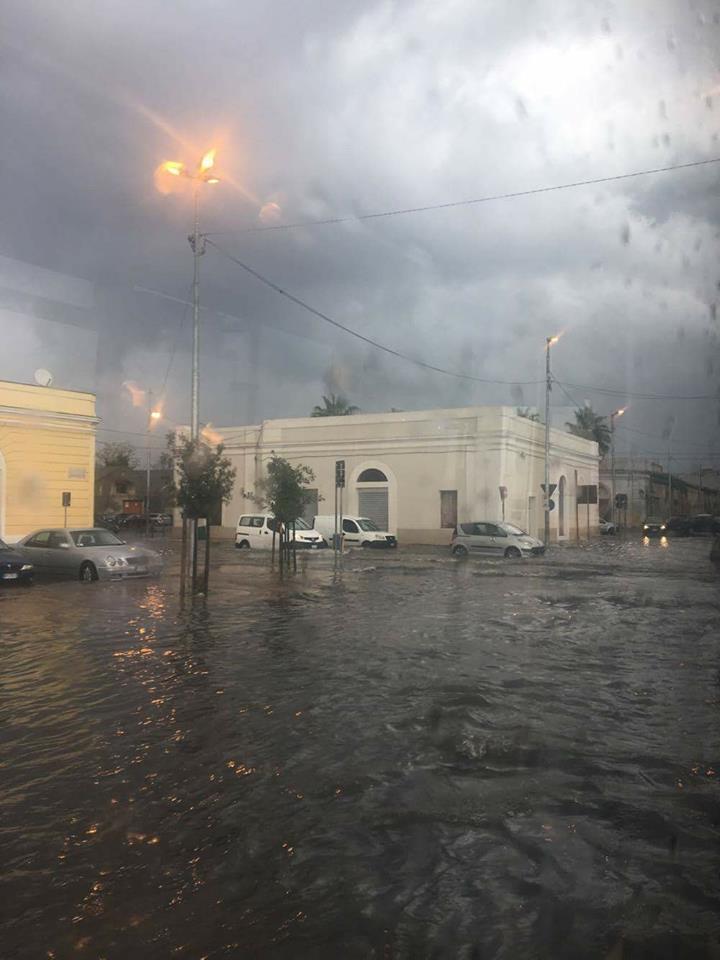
[88,553]
[494,540]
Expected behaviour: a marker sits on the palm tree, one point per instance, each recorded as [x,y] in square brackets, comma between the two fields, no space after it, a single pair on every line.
[527,414]
[592,427]
[334,406]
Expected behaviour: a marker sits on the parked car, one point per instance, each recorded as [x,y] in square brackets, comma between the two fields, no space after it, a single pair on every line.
[256,531]
[494,540]
[139,521]
[13,566]
[91,553]
[357,531]
[653,528]
[703,524]
[607,527]
[679,526]
[107,523]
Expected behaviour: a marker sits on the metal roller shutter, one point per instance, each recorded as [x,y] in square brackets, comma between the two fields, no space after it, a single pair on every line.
[374,504]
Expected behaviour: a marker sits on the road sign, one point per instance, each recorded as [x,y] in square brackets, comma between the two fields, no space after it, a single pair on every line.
[503,493]
[339,473]
[548,504]
[553,488]
[66,497]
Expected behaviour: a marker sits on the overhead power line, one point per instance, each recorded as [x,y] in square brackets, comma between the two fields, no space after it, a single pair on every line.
[360,336]
[515,194]
[630,395]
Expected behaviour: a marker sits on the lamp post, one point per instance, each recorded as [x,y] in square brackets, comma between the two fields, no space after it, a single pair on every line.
[202,174]
[616,413]
[549,341]
[153,417]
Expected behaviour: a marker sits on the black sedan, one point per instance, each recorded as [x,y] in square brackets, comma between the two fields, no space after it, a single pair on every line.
[654,528]
[679,526]
[13,568]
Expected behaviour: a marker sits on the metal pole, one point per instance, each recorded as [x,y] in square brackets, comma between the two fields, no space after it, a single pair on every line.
[195,382]
[147,474]
[335,537]
[670,509]
[612,469]
[195,243]
[342,538]
[548,387]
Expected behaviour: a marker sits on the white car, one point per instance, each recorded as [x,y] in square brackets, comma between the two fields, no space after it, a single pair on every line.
[357,531]
[255,530]
[606,527]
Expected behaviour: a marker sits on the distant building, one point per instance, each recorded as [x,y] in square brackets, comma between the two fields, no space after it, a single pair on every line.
[47,449]
[647,490]
[121,489]
[420,473]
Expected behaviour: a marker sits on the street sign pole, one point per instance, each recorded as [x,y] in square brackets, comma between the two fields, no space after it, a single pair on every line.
[66,500]
[339,485]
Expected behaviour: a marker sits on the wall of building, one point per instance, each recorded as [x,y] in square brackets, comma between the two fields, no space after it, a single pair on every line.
[472,450]
[47,447]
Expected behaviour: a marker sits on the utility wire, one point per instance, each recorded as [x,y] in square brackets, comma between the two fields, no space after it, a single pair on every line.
[360,336]
[605,391]
[466,203]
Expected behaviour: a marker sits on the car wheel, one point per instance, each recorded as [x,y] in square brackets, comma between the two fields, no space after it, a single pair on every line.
[88,573]
[512,553]
[366,544]
[243,545]
[460,551]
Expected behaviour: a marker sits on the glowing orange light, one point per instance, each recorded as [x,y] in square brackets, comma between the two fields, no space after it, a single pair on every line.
[213,180]
[155,415]
[208,160]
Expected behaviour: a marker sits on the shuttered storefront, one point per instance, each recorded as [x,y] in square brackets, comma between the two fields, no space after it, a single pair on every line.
[374,504]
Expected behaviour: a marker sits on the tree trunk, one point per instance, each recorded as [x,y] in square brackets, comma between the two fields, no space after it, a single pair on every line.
[183,557]
[294,549]
[194,553]
[715,550]
[206,577]
[272,553]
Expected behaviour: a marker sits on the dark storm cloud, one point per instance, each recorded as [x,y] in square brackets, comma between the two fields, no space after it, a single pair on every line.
[328,109]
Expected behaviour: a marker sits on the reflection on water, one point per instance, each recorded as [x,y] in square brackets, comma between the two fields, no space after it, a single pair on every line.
[401,759]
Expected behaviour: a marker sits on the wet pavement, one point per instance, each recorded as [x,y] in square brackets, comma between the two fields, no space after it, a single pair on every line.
[411,757]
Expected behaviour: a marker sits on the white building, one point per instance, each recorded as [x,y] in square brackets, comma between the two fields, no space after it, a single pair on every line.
[419,473]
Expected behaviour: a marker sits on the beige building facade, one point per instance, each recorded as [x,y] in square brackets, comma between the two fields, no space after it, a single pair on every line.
[419,473]
[47,449]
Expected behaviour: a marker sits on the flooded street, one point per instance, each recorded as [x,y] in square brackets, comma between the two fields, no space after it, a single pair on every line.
[412,757]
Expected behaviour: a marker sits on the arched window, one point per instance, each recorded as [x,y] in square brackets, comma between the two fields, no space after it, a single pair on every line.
[372,476]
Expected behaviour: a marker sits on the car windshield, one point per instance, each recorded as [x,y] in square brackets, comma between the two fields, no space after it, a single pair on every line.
[366,524]
[95,537]
[3,545]
[515,531]
[301,524]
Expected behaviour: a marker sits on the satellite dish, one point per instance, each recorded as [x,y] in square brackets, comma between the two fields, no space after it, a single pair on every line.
[43,377]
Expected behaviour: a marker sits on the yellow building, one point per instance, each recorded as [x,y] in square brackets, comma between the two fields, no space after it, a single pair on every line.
[47,449]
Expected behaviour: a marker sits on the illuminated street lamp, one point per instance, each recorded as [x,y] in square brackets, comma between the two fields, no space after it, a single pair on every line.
[616,413]
[202,174]
[549,341]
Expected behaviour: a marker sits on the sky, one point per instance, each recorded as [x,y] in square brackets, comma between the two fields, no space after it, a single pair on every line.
[327,110]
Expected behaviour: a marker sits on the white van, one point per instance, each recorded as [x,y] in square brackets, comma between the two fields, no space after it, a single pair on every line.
[256,530]
[357,531]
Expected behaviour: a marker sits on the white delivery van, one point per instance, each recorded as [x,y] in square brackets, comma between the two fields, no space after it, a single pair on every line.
[357,531]
[256,530]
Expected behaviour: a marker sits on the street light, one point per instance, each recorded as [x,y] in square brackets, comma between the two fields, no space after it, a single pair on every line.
[616,413]
[549,341]
[201,174]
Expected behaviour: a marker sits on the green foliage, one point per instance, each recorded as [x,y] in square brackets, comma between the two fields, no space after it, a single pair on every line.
[282,491]
[334,406]
[592,427]
[117,455]
[201,476]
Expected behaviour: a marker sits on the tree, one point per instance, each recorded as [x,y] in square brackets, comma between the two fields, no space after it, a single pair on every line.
[334,406]
[527,414]
[117,455]
[283,492]
[592,427]
[201,479]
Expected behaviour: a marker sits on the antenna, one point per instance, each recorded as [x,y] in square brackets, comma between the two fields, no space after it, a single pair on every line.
[43,377]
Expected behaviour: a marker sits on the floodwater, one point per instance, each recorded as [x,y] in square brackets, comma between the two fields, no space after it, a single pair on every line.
[411,758]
